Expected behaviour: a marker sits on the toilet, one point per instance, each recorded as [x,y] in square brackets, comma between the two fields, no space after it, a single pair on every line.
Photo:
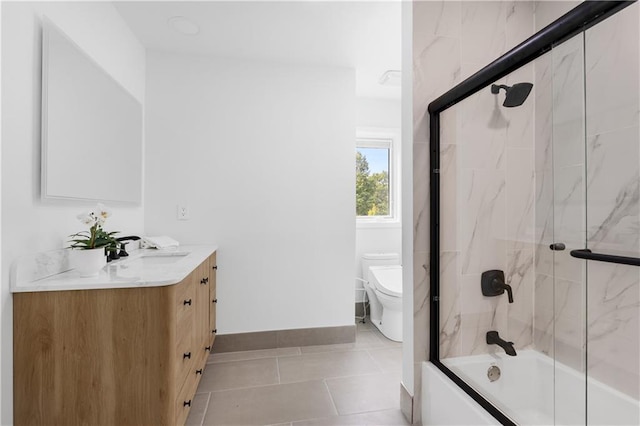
[383,275]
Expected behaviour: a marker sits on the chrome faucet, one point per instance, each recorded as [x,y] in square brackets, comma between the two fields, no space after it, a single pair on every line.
[494,339]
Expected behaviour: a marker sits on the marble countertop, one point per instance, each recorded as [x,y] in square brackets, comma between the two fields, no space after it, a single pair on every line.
[143,268]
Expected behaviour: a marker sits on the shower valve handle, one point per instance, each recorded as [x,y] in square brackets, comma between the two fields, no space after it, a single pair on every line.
[493,284]
[506,287]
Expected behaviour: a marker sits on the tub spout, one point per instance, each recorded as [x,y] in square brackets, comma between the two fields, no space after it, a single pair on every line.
[494,339]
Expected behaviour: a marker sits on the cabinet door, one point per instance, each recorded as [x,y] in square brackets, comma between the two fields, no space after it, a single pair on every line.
[186,345]
[202,312]
[213,298]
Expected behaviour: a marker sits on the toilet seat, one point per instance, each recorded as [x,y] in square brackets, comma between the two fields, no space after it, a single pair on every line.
[387,279]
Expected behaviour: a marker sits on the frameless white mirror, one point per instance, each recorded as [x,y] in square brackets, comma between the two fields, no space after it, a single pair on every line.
[91,127]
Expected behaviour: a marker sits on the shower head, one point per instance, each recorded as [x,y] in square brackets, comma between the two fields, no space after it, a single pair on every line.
[516,94]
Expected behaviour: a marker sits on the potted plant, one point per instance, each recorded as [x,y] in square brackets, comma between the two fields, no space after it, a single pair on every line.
[90,247]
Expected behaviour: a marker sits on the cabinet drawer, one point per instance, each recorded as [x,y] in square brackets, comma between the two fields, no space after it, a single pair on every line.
[186,358]
[185,302]
[185,399]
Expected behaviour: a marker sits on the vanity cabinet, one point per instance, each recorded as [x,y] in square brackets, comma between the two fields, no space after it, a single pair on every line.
[121,356]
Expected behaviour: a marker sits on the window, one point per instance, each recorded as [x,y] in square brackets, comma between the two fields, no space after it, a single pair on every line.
[376,178]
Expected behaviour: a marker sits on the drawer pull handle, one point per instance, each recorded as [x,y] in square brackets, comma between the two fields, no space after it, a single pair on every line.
[186,403]
[206,280]
[214,301]
[214,331]
[203,281]
[187,302]
[208,348]
[186,355]
[199,371]
[214,267]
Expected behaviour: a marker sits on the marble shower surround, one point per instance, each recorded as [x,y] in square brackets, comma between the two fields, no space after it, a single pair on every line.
[487,189]
[451,41]
[444,56]
[587,191]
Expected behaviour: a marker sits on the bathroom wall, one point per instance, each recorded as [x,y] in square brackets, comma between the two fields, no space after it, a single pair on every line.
[262,153]
[29,224]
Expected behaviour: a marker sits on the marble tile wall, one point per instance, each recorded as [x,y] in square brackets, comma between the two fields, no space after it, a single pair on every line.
[515,180]
[587,191]
[613,199]
[487,165]
[487,191]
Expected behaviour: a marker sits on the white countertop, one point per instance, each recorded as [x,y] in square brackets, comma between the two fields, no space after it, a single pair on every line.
[143,268]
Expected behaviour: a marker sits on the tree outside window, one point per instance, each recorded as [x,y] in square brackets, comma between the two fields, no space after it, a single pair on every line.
[372,181]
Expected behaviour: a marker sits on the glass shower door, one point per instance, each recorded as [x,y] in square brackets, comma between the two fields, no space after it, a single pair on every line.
[594,337]
[566,290]
[612,158]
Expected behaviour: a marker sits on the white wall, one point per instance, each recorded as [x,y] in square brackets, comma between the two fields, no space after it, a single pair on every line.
[378,113]
[28,224]
[263,156]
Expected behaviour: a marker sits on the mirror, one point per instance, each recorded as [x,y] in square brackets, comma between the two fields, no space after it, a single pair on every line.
[91,127]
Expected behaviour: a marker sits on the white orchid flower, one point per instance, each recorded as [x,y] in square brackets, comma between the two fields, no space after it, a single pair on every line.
[86,218]
[103,211]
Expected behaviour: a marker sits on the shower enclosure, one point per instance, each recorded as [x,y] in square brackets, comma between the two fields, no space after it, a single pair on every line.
[535,225]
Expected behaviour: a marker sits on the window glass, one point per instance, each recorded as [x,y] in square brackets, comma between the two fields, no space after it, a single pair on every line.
[372,181]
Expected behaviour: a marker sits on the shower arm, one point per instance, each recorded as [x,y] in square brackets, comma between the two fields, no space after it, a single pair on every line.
[495,88]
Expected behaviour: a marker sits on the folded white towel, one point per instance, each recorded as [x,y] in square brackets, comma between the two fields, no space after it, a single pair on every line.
[160,242]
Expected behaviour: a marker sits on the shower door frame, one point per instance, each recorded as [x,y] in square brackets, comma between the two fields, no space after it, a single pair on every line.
[577,20]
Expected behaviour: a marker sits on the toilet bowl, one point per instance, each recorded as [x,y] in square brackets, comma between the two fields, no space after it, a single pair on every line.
[383,285]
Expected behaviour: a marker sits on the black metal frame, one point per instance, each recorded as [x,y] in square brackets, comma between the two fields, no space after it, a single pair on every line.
[575,21]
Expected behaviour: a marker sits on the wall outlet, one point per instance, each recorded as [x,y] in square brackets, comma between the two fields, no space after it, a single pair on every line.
[183,212]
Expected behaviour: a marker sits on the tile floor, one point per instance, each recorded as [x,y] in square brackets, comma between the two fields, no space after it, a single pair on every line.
[349,384]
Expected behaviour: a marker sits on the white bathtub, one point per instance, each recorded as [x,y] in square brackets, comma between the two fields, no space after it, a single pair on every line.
[526,390]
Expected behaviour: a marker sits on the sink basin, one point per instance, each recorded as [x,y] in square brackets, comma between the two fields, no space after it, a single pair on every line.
[157,258]
[165,254]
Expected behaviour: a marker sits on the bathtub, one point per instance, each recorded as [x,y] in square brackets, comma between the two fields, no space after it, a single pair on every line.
[525,392]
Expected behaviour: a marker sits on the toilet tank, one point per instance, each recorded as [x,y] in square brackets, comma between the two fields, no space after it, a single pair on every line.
[378,259]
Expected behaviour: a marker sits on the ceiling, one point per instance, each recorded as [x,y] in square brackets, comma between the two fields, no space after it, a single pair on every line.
[360,35]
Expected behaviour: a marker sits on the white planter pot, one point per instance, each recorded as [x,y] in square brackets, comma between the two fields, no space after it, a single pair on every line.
[88,262]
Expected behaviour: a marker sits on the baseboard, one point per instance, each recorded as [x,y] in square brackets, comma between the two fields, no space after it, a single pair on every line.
[284,338]
[406,403]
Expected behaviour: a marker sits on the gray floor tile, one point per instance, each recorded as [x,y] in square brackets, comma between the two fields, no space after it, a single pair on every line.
[389,359]
[198,409]
[364,326]
[392,417]
[239,374]
[248,355]
[326,364]
[365,393]
[270,404]
[328,348]
[369,339]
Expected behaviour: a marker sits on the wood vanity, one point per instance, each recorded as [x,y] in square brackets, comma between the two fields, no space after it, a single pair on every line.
[113,356]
